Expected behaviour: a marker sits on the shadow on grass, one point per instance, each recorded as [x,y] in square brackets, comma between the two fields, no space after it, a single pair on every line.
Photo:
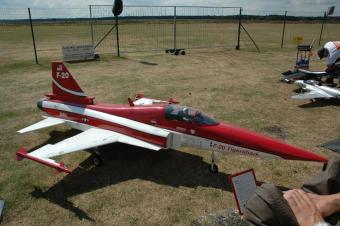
[57,136]
[124,162]
[148,63]
[321,103]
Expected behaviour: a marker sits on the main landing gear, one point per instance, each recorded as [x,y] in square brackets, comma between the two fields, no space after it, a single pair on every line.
[213,168]
[96,158]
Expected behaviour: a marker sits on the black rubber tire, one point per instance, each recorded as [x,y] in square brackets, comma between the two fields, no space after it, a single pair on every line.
[97,160]
[213,168]
[183,52]
[176,53]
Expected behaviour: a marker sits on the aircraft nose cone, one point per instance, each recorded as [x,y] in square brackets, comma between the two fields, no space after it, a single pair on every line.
[39,104]
[300,83]
[261,143]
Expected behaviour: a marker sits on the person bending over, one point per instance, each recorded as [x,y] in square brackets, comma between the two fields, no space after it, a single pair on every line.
[331,50]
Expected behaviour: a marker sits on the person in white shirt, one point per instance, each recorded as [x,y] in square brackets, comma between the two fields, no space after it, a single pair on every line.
[331,50]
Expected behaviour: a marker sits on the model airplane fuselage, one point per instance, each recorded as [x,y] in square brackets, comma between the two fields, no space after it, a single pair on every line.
[302,74]
[314,91]
[144,122]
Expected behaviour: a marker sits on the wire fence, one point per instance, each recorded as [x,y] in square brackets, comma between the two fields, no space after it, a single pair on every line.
[147,28]
[144,28]
[275,29]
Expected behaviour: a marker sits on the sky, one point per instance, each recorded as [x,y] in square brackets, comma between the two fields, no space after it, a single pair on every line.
[256,7]
[265,5]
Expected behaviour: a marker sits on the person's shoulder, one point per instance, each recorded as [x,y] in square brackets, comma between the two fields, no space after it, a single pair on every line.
[329,45]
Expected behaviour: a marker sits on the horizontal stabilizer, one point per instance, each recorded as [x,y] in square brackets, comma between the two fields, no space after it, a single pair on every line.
[47,122]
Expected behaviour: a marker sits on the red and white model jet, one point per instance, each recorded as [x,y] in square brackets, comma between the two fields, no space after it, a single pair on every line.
[146,123]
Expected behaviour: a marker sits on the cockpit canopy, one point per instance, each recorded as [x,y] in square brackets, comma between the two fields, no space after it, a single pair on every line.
[188,114]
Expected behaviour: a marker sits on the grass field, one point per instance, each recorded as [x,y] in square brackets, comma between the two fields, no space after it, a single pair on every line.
[141,187]
[16,40]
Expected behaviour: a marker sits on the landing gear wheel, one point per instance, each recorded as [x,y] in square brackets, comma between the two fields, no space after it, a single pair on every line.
[97,160]
[183,52]
[213,168]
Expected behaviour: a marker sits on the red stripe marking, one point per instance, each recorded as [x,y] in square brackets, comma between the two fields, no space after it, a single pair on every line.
[22,153]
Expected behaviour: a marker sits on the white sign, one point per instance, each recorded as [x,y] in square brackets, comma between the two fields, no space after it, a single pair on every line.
[78,53]
[243,185]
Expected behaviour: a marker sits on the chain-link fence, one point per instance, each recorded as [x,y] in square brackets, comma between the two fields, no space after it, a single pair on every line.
[275,29]
[146,28]
[15,35]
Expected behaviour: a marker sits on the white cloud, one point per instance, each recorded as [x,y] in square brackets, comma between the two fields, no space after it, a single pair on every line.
[261,5]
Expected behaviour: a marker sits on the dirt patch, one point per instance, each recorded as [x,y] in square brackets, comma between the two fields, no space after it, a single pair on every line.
[276,131]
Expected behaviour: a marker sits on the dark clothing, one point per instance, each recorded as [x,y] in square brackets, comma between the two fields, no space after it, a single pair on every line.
[267,206]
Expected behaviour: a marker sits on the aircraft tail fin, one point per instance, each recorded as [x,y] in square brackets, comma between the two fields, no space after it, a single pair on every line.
[65,87]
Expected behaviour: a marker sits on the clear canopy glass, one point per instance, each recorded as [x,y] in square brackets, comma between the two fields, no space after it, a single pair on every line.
[188,114]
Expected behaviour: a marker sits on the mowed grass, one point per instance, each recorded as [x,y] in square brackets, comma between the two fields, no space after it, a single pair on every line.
[16,41]
[142,187]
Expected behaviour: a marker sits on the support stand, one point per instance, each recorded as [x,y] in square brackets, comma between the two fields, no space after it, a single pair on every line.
[107,33]
[283,29]
[117,9]
[323,23]
[258,49]
[239,30]
[117,36]
[175,50]
[33,39]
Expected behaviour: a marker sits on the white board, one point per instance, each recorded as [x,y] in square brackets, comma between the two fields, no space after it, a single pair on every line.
[78,52]
[243,185]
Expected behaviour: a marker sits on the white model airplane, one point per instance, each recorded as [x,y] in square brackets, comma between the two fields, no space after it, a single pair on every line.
[313,90]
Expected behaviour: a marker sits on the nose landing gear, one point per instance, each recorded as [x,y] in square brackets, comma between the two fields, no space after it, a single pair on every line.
[213,168]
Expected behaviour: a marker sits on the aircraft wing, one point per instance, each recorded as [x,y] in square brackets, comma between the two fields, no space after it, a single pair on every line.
[312,72]
[47,122]
[90,138]
[312,95]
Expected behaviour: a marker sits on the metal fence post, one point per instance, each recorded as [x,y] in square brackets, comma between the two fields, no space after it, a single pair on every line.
[239,29]
[175,28]
[32,32]
[117,36]
[323,22]
[283,29]
[91,24]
